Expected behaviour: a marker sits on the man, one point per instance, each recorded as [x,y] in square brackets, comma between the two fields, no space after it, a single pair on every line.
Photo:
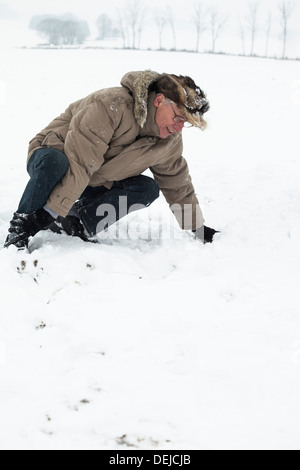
[97,150]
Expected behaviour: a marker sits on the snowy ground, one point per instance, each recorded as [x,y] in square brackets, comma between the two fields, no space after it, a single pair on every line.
[150,342]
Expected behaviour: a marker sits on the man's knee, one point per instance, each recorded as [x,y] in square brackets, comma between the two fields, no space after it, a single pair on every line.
[49,160]
[151,189]
[142,189]
[148,188]
[60,160]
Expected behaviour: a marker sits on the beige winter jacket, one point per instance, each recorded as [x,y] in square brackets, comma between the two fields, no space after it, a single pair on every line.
[106,140]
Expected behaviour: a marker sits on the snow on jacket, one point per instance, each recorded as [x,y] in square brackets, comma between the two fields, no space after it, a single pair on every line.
[111,135]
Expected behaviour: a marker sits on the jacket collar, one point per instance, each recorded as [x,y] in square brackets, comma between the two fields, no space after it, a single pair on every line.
[150,127]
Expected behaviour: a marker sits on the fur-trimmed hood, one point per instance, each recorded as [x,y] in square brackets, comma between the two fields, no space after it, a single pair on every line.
[189,98]
[138,83]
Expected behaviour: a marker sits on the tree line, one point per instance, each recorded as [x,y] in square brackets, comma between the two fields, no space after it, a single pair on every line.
[281,16]
[129,22]
[65,30]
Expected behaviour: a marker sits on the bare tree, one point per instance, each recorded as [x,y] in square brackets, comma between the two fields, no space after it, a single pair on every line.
[199,20]
[60,32]
[160,18]
[286,8]
[242,35]
[74,32]
[252,23]
[172,24]
[140,30]
[104,26]
[135,16]
[267,31]
[123,26]
[216,24]
[51,28]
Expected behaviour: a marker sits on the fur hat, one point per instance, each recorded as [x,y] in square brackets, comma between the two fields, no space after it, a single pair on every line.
[182,90]
[188,97]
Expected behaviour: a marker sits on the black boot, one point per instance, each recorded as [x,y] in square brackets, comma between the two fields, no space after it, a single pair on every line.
[70,225]
[23,226]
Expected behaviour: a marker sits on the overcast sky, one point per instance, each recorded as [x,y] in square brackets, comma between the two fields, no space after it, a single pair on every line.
[183,10]
[88,8]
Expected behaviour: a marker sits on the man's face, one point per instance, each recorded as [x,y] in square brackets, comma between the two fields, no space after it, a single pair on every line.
[166,111]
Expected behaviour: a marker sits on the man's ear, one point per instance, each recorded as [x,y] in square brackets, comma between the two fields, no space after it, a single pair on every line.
[160,98]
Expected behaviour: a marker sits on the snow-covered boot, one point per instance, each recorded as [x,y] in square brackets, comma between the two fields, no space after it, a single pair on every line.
[23,226]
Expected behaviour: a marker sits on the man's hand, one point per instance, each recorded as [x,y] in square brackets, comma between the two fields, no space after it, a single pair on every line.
[205,234]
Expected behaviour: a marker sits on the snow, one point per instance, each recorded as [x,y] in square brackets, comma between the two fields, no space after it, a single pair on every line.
[153,340]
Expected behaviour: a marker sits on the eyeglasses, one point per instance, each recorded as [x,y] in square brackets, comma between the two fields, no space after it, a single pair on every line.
[180,119]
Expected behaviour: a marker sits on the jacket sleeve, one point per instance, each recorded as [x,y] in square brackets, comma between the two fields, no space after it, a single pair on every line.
[175,182]
[87,141]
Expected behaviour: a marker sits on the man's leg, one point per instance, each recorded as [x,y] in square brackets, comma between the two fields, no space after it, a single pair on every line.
[125,196]
[46,168]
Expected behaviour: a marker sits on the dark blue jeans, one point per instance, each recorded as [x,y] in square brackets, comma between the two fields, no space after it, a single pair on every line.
[47,168]
[100,207]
